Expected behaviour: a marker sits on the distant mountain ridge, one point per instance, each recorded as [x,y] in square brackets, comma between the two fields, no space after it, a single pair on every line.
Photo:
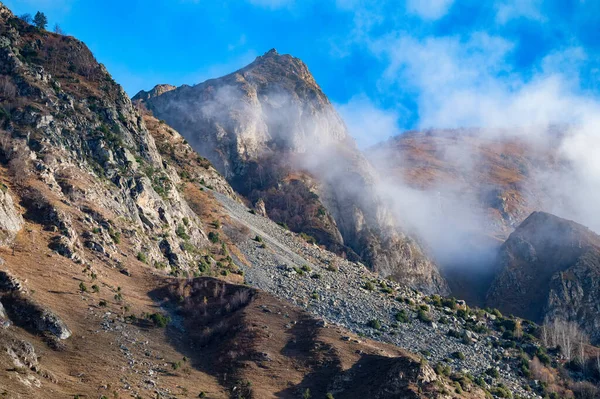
[549,268]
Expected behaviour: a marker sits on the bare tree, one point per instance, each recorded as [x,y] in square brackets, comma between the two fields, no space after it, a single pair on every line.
[568,336]
[8,90]
[545,335]
[58,30]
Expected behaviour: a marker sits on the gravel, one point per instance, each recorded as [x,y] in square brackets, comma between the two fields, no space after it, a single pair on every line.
[334,290]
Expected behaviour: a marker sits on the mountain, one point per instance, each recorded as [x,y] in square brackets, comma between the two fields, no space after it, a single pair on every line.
[549,268]
[102,206]
[272,132]
[131,268]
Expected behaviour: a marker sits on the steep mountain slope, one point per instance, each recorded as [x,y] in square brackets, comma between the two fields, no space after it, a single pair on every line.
[276,137]
[550,268]
[89,237]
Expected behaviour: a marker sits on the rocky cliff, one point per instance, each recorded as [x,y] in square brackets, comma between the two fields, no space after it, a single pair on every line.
[82,159]
[272,132]
[550,268]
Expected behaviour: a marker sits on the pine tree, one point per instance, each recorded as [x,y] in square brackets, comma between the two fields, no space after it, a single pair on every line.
[40,20]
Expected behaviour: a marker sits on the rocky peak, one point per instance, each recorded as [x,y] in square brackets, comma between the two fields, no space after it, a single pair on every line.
[272,132]
[550,268]
[155,92]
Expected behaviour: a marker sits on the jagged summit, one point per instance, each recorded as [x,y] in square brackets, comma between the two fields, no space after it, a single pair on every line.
[273,133]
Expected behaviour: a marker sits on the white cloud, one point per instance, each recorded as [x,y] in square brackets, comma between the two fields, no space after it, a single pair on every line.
[514,9]
[367,123]
[429,9]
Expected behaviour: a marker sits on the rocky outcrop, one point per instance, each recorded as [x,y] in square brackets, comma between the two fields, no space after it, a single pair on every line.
[381,377]
[550,268]
[272,132]
[18,307]
[83,160]
[11,221]
[155,92]
[4,320]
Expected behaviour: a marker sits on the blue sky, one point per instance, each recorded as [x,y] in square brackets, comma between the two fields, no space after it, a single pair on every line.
[386,65]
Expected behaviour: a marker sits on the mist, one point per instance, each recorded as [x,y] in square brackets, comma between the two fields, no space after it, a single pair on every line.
[469,86]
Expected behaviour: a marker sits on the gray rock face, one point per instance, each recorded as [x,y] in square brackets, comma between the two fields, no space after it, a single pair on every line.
[274,110]
[26,313]
[11,221]
[550,268]
[4,320]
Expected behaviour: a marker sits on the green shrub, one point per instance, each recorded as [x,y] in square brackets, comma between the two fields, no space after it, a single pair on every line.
[258,238]
[95,288]
[181,233]
[454,333]
[493,372]
[442,369]
[369,286]
[423,316]
[213,237]
[458,355]
[82,287]
[142,257]
[159,320]
[375,324]
[402,317]
[308,238]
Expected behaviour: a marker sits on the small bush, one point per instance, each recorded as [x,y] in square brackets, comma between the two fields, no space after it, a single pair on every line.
[402,317]
[375,324]
[308,238]
[213,237]
[102,303]
[82,287]
[458,355]
[159,320]
[493,372]
[453,333]
[369,286]
[306,268]
[95,288]
[142,257]
[423,316]
[181,233]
